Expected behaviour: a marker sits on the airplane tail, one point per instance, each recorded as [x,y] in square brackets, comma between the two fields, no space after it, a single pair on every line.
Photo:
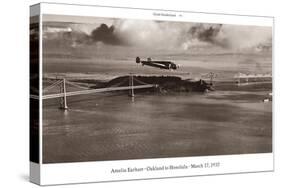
[138,60]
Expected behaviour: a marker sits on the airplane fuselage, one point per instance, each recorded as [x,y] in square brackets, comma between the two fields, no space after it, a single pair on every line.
[158,64]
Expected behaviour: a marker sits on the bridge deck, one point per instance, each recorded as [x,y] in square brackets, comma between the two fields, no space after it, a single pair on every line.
[84,92]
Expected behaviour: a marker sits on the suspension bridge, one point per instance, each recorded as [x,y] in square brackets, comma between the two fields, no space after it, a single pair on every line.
[246,79]
[129,83]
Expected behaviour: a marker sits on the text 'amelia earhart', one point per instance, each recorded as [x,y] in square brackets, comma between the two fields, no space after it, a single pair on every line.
[149,168]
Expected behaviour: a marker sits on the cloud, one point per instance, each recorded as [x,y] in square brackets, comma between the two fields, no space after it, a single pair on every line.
[207,33]
[179,35]
[106,34]
[164,35]
[245,37]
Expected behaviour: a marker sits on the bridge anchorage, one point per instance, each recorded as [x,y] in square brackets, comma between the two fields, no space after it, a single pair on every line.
[64,93]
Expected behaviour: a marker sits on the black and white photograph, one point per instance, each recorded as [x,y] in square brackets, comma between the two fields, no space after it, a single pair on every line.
[120,89]
[119,93]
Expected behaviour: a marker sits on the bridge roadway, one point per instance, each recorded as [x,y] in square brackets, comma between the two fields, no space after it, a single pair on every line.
[90,91]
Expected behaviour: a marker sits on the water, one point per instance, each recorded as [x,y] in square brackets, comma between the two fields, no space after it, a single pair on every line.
[112,126]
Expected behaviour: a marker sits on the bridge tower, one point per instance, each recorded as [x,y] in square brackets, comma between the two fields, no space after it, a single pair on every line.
[63,102]
[131,84]
[212,75]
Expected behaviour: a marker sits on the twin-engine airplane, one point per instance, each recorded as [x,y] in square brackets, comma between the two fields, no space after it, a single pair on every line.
[158,64]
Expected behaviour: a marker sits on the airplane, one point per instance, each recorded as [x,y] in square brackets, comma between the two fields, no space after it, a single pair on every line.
[158,64]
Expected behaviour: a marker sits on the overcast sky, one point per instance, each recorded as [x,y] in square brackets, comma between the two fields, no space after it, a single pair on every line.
[164,35]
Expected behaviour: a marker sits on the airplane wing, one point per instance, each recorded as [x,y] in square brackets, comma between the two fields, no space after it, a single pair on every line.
[153,64]
[158,64]
[166,63]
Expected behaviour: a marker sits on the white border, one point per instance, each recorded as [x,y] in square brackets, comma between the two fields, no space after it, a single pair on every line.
[148,14]
[61,173]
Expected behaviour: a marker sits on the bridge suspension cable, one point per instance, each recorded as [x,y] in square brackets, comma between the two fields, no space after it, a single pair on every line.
[53,85]
[90,91]
[63,94]
[76,85]
[120,83]
[139,81]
